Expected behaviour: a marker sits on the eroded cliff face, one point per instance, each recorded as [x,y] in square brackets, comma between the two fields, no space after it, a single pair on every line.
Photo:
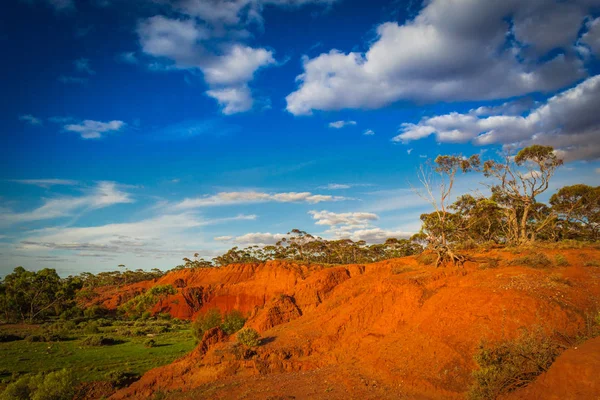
[383,330]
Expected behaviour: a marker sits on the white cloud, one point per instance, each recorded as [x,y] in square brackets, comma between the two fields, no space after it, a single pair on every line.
[184,43]
[336,186]
[351,218]
[83,65]
[223,238]
[368,132]
[251,239]
[451,51]
[89,129]
[31,120]
[373,235]
[46,183]
[592,37]
[230,198]
[105,194]
[233,99]
[148,237]
[409,151]
[341,124]
[567,121]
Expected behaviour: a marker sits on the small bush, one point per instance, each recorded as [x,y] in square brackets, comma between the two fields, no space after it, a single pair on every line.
[164,316]
[211,319]
[512,364]
[121,379]
[233,322]
[426,258]
[248,337]
[91,328]
[150,343]
[146,315]
[491,262]
[561,261]
[57,385]
[95,341]
[533,260]
[591,263]
[46,337]
[94,312]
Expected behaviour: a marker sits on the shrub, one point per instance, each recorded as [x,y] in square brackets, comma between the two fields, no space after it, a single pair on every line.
[91,328]
[512,364]
[233,322]
[561,261]
[533,260]
[164,316]
[57,385]
[211,319]
[248,337]
[98,341]
[146,315]
[120,379]
[95,311]
[426,258]
[491,262]
[591,263]
[150,343]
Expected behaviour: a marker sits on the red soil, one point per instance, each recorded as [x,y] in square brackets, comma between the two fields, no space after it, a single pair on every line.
[393,329]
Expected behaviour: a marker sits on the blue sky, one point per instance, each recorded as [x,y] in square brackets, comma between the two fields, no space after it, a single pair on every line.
[143,131]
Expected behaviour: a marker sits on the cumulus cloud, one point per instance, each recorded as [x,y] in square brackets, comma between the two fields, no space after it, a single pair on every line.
[451,51]
[185,44]
[341,124]
[592,37]
[104,194]
[368,132]
[229,198]
[30,119]
[90,129]
[351,218]
[567,121]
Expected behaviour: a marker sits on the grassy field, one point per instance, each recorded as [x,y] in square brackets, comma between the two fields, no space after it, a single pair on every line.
[130,353]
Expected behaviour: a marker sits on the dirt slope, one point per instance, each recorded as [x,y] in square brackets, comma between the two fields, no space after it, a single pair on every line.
[394,329]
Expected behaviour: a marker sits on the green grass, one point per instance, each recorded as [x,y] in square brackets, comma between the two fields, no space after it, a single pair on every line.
[91,363]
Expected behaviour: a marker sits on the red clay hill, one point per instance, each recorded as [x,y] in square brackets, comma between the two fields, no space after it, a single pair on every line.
[388,330]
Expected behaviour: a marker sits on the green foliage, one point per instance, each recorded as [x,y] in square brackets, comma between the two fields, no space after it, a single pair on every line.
[95,311]
[578,211]
[121,379]
[139,305]
[248,337]
[233,322]
[115,278]
[150,343]
[59,385]
[96,341]
[211,319]
[29,295]
[561,261]
[533,260]
[512,364]
[91,328]
[230,323]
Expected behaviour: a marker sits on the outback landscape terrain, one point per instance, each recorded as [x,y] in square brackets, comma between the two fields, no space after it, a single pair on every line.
[300,200]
